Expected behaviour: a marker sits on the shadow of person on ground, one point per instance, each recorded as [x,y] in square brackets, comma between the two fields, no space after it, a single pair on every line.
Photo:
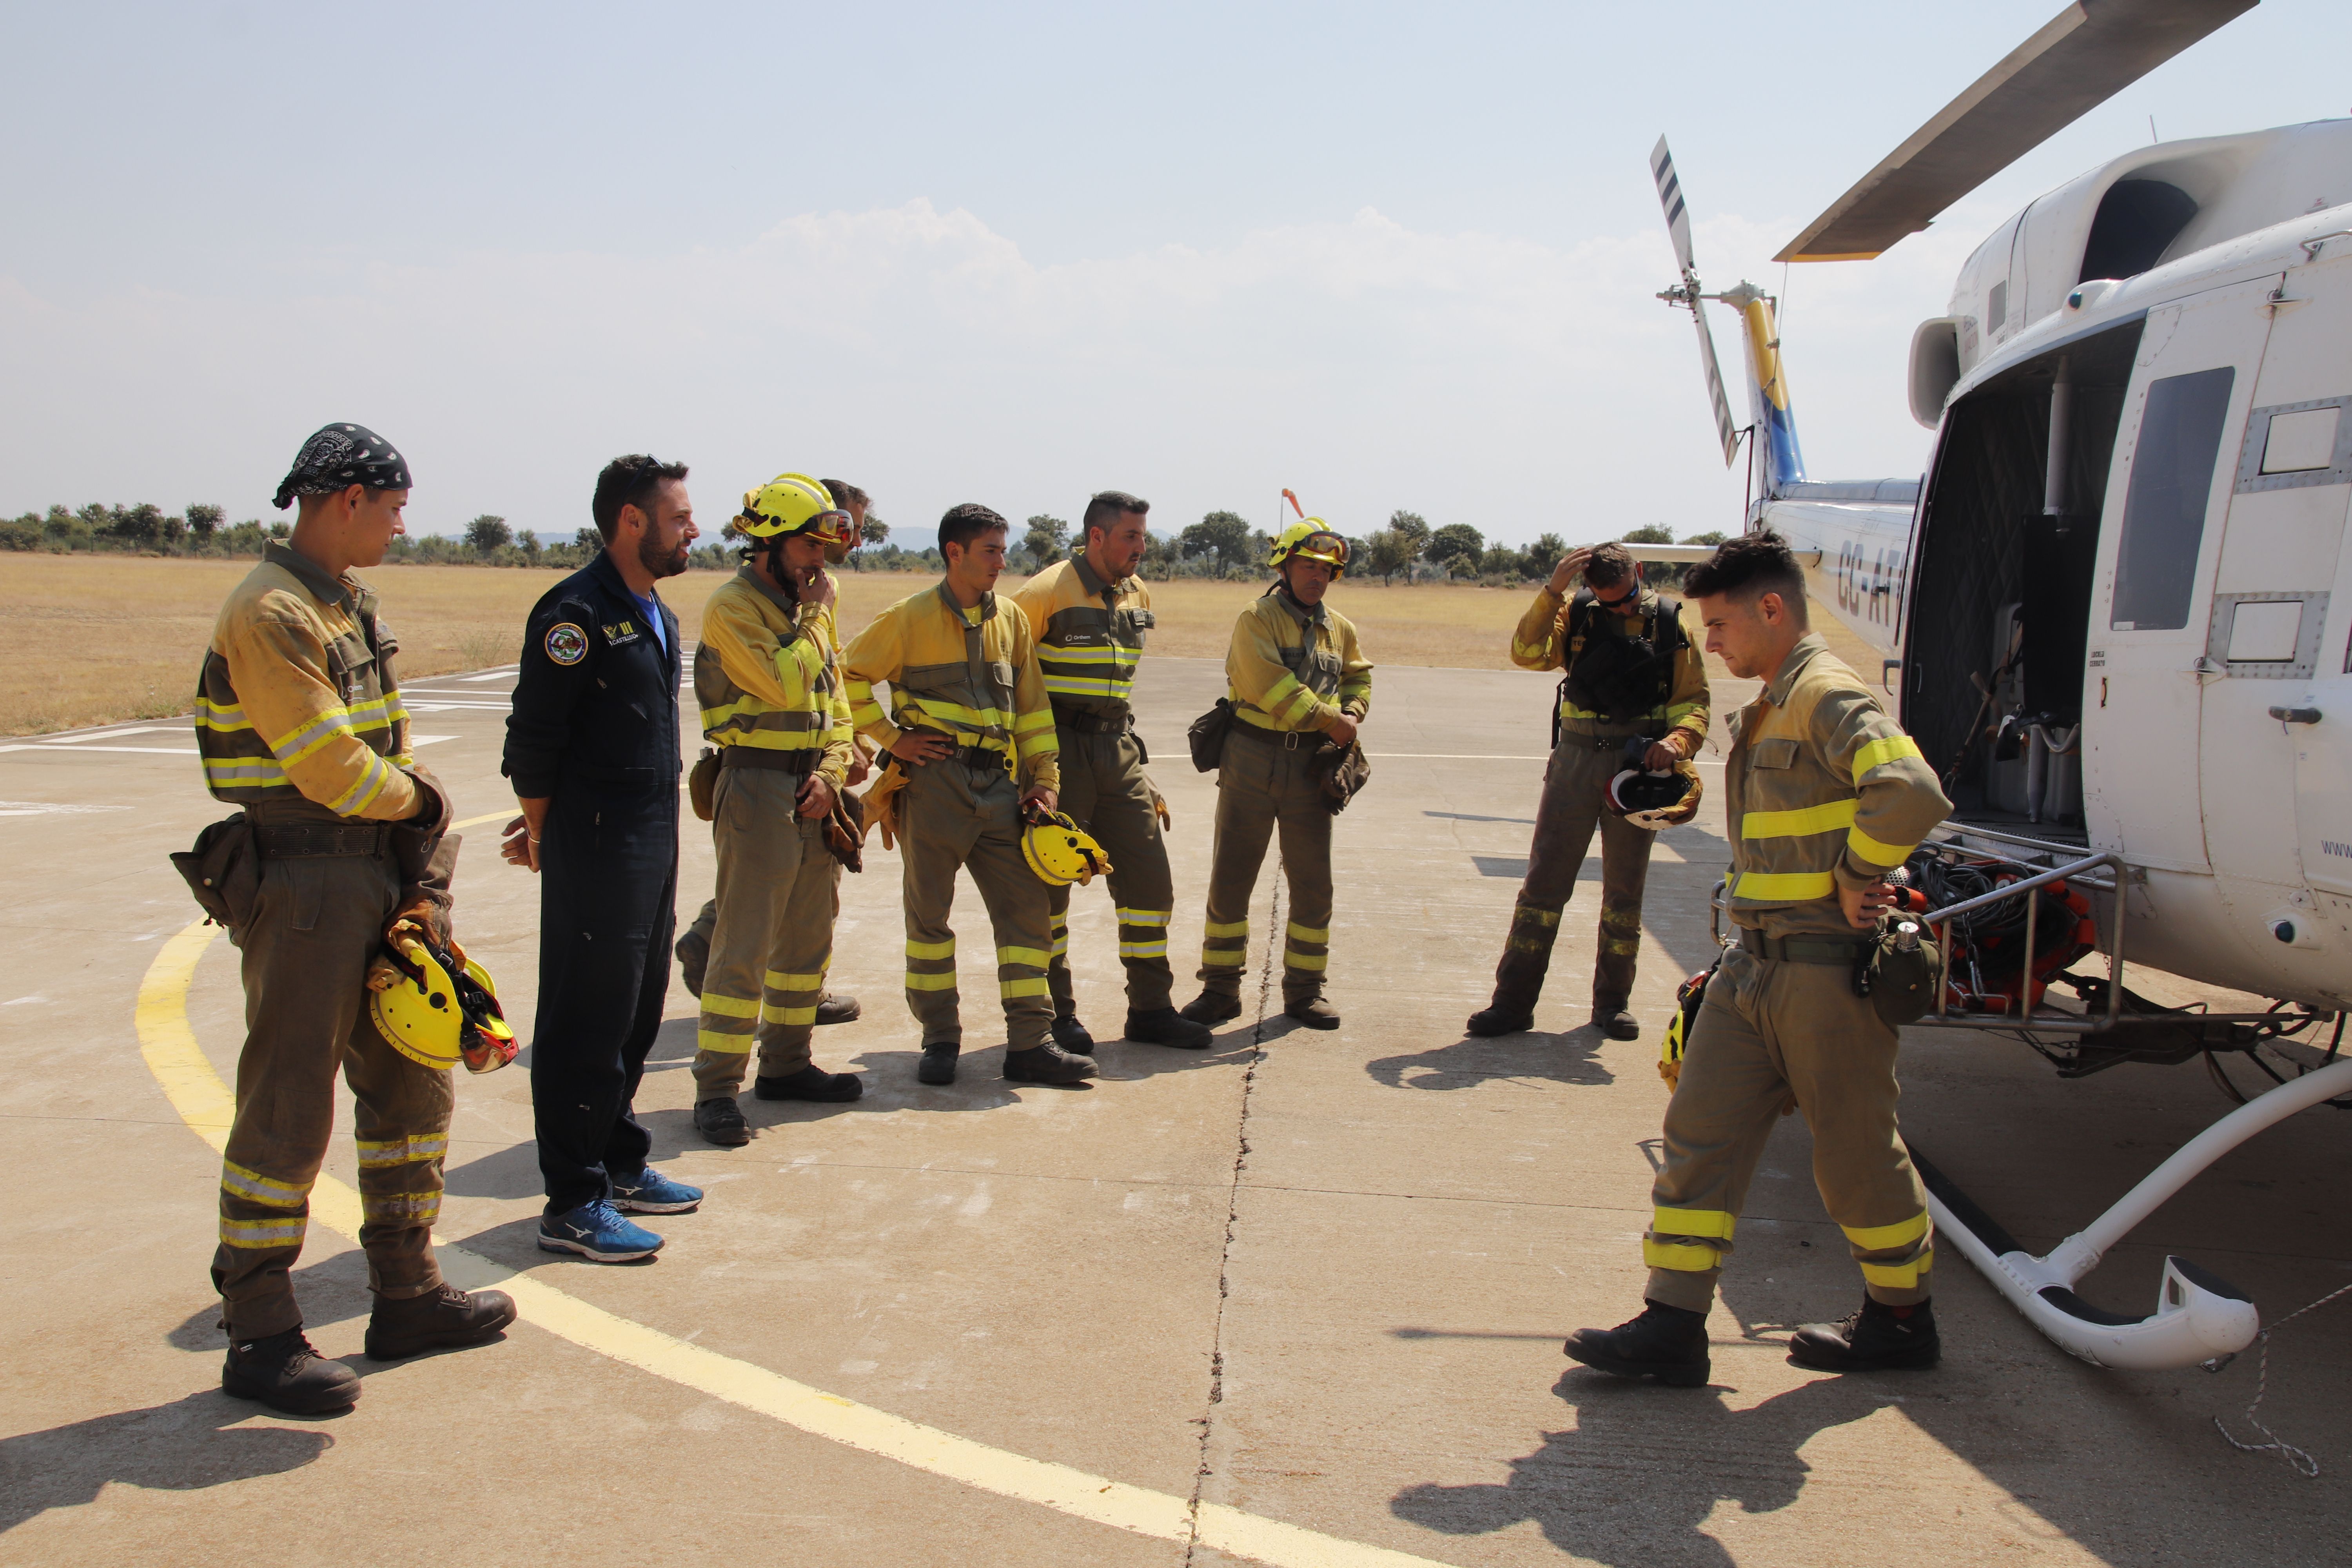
[1636,1480]
[186,1446]
[1570,1059]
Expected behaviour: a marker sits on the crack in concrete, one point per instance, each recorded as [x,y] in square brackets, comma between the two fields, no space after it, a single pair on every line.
[1206,1420]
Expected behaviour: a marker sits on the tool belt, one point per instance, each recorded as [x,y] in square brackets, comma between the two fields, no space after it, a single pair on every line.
[801,760]
[1807,948]
[1079,721]
[1289,740]
[302,840]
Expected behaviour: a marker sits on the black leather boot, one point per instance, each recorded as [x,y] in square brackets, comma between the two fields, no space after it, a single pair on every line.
[812,1082]
[720,1121]
[1047,1064]
[1878,1338]
[1167,1027]
[1668,1343]
[939,1063]
[284,1373]
[1072,1035]
[1616,1022]
[1497,1019]
[447,1318]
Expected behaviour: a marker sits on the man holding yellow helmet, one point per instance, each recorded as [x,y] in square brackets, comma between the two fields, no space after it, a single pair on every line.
[771,705]
[1297,682]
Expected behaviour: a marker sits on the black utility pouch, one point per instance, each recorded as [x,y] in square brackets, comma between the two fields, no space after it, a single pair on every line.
[1207,736]
[224,871]
[1901,983]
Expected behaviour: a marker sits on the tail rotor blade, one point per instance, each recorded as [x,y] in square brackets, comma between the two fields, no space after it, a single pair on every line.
[1670,198]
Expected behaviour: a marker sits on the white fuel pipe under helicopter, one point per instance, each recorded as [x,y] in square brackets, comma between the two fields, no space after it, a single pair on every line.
[2117,614]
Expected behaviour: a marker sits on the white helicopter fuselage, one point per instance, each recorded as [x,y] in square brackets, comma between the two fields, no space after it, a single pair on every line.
[2171,594]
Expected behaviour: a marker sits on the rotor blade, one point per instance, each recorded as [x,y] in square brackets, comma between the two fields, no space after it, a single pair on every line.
[1724,428]
[2087,53]
[1670,197]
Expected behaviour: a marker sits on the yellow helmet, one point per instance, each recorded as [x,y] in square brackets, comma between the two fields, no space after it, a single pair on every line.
[1312,539]
[435,1017]
[1061,852]
[795,503]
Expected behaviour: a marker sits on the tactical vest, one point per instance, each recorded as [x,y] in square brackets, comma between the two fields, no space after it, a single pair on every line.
[1622,677]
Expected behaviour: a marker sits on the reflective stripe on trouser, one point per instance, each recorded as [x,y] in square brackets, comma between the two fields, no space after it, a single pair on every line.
[955,817]
[317,923]
[1769,1032]
[1260,787]
[1566,818]
[779,891]
[1104,792]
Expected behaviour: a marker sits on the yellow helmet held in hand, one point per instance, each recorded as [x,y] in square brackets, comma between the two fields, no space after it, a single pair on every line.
[1312,539]
[794,503]
[437,1015]
[1061,852]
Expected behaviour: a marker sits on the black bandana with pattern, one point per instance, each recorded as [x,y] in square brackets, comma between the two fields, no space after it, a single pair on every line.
[338,456]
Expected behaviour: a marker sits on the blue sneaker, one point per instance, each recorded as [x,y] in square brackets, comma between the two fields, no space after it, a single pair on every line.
[597,1232]
[650,1192]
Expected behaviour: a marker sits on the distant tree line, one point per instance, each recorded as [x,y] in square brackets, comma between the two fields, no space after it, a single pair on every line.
[1223,545]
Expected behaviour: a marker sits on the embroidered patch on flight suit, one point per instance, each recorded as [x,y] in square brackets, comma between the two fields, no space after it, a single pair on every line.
[620,633]
[566,644]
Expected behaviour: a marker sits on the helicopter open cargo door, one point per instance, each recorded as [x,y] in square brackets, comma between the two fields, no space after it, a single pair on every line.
[2167,497]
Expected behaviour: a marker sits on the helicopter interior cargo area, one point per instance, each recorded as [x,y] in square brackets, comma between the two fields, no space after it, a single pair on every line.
[1994,683]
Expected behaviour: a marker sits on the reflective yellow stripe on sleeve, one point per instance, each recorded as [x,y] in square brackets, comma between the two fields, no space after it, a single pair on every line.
[1879,752]
[1876,852]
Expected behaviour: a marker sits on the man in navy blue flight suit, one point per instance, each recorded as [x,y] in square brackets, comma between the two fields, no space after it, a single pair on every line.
[593,748]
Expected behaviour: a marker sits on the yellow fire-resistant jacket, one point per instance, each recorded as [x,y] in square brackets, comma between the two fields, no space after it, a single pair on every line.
[1089,635]
[297,701]
[1822,788]
[1542,642]
[1294,668]
[765,676]
[970,675]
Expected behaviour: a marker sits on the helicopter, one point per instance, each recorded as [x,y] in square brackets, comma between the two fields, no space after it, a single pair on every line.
[2116,611]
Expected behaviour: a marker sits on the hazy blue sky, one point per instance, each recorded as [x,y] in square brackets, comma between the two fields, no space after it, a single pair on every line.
[1386,255]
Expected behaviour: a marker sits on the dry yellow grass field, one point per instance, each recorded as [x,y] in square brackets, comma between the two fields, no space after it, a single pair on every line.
[92,639]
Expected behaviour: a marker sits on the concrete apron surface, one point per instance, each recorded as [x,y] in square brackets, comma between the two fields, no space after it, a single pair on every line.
[1317,1279]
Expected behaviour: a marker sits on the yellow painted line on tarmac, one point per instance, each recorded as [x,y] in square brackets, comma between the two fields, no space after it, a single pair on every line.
[206,1104]
[494,817]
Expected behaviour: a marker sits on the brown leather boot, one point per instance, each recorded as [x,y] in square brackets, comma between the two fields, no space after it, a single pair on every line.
[447,1318]
[286,1374]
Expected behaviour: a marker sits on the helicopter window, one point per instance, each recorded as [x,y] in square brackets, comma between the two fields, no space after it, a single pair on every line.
[2171,486]
[1996,306]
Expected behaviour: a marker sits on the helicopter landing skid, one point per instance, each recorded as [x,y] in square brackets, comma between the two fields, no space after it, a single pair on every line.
[2199,1316]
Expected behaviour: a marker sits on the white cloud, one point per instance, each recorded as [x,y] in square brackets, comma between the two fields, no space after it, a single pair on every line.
[1471,376]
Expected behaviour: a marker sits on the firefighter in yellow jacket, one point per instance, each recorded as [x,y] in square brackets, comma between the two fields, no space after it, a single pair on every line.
[1297,680]
[300,723]
[816,616]
[1824,795]
[971,760]
[1091,613]
[773,706]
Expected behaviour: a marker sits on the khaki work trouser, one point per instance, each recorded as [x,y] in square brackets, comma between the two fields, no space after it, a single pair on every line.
[955,817]
[779,891]
[318,921]
[1104,791]
[1571,808]
[1261,785]
[1769,1032]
